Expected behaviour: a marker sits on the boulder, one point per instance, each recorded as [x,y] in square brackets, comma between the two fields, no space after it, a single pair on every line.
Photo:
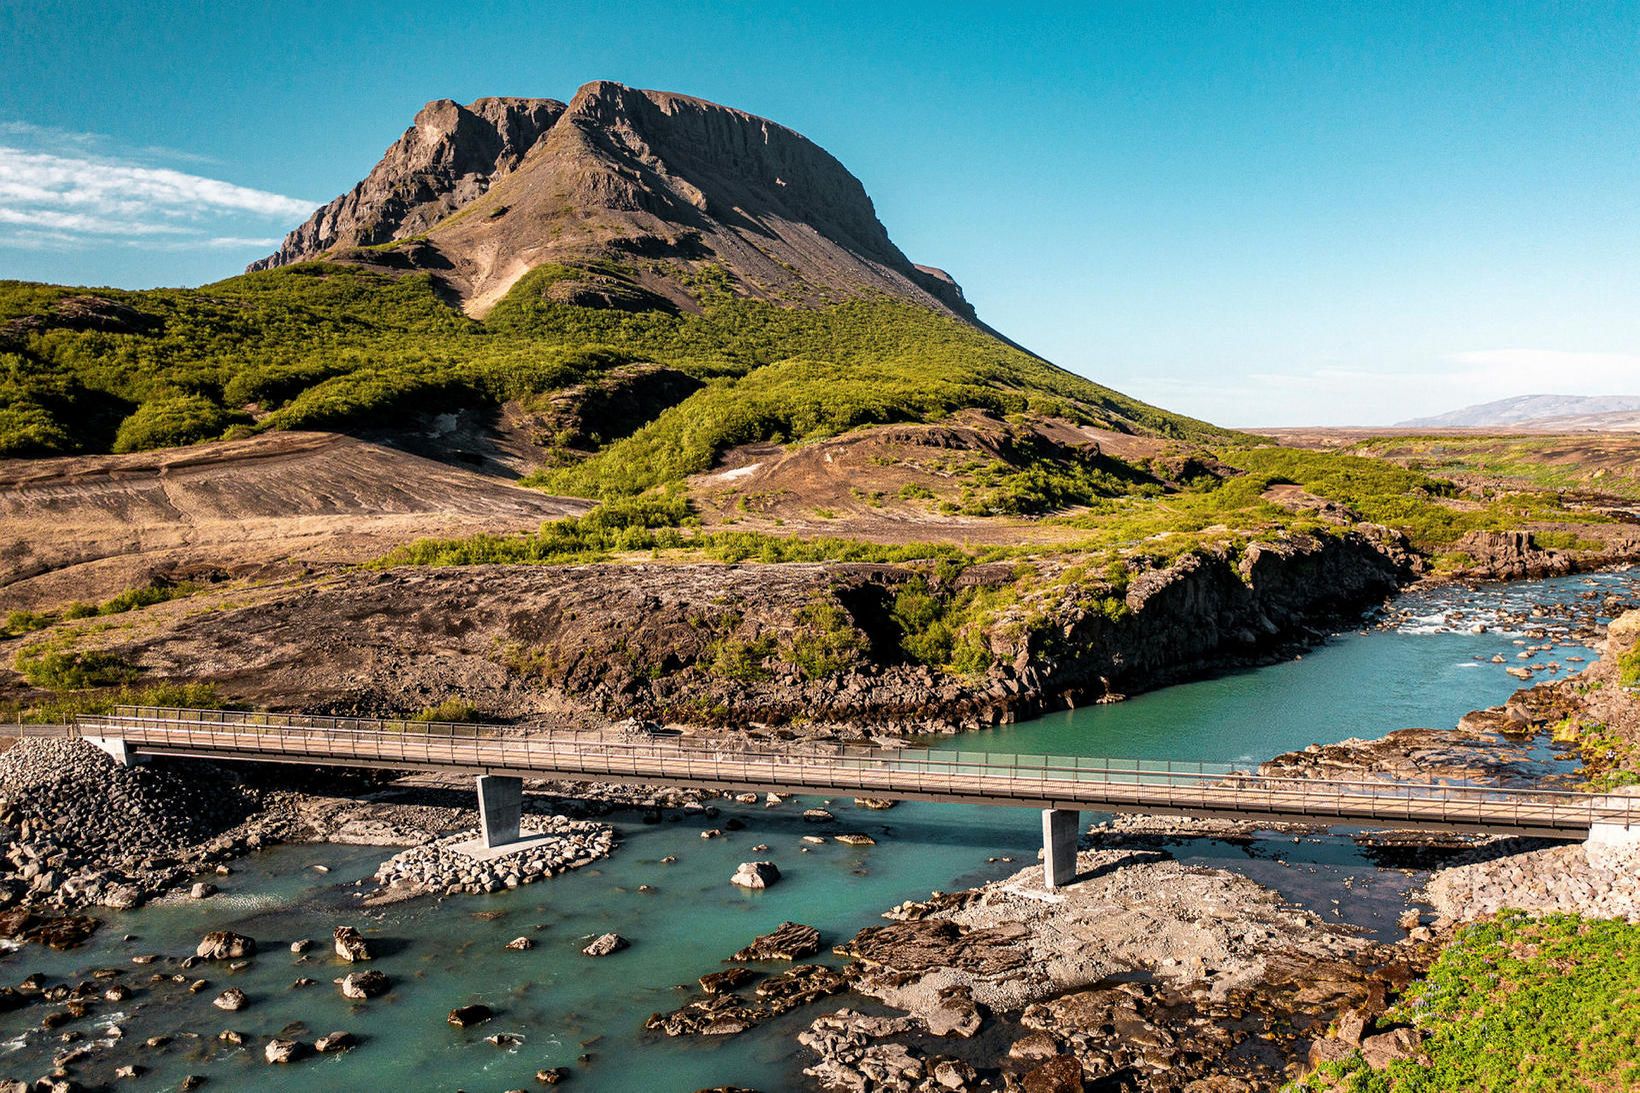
[361,985]
[350,944]
[1061,1074]
[519,944]
[788,941]
[1385,1048]
[283,1051]
[225,945]
[233,1000]
[604,944]
[755,874]
[334,1042]
[474,1013]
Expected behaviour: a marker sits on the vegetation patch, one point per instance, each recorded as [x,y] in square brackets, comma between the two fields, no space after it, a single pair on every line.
[1546,1004]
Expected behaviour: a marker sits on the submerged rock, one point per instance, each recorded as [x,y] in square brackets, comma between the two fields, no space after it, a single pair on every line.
[788,941]
[474,1013]
[605,944]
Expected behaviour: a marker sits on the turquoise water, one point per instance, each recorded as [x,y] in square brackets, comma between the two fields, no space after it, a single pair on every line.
[440,955]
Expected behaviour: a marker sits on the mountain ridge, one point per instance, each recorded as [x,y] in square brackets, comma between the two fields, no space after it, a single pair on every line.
[1535,410]
[646,192]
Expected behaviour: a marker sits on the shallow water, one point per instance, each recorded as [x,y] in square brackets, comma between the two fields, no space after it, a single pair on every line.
[439,954]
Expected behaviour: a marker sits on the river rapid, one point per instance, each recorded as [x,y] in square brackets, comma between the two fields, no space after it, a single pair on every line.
[1427,665]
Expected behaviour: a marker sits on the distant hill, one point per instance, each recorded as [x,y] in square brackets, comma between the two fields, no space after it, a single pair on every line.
[1541,411]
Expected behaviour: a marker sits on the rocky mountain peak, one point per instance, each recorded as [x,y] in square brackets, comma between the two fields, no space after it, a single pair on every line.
[641,190]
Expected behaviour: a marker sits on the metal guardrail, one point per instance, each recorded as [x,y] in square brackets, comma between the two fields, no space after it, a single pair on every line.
[1207,789]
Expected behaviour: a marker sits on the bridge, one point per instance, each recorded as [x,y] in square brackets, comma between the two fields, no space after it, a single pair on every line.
[1061,786]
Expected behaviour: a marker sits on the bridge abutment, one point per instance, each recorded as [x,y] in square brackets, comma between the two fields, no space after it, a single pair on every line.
[1060,830]
[121,750]
[500,807]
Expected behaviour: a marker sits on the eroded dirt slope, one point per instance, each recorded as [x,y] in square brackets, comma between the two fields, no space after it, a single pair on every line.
[87,527]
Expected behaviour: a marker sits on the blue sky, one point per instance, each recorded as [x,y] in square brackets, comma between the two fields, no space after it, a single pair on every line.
[1271,213]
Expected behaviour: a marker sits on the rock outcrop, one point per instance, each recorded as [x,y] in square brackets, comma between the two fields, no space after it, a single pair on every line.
[636,195]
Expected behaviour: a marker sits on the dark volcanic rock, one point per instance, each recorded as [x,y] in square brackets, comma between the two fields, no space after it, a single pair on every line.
[788,941]
[634,192]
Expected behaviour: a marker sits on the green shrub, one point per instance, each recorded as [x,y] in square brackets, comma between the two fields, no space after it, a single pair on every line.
[19,623]
[450,709]
[825,642]
[171,420]
[69,670]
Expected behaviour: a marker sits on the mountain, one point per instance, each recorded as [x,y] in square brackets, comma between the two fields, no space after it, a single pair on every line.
[642,193]
[1540,411]
[606,295]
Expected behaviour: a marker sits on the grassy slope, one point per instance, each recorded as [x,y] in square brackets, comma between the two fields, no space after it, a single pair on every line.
[327,346]
[1550,1004]
[1606,464]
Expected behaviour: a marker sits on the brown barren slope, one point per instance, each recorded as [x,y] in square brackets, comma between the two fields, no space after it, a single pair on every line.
[87,527]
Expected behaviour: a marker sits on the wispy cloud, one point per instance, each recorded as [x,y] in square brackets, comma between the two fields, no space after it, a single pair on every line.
[67,190]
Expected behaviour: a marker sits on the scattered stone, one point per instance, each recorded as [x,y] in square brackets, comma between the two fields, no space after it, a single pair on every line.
[474,1013]
[875,803]
[225,945]
[504,1039]
[551,1075]
[755,874]
[361,985]
[519,944]
[788,941]
[301,946]
[350,944]
[730,979]
[335,1042]
[818,816]
[605,944]
[233,1000]
[283,1051]
[202,890]
[855,838]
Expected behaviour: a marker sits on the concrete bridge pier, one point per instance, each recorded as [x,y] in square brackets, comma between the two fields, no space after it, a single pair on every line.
[500,806]
[120,749]
[1060,829]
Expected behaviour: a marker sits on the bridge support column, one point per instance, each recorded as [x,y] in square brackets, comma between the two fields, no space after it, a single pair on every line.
[1060,828]
[500,805]
[115,746]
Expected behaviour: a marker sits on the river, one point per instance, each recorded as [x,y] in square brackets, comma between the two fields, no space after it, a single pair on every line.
[1426,670]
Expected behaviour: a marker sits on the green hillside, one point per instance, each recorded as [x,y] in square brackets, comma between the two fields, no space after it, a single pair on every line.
[333,346]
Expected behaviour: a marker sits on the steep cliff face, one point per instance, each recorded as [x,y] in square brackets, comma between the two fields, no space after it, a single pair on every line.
[449,156]
[644,195]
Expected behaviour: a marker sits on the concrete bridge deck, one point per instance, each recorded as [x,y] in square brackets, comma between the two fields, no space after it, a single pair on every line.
[1062,786]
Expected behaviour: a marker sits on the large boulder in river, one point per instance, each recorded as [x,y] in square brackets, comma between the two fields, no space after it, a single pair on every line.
[475,1013]
[225,945]
[233,999]
[361,985]
[755,874]
[604,944]
[283,1051]
[350,944]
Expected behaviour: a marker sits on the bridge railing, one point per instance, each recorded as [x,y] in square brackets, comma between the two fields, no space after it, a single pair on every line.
[838,768]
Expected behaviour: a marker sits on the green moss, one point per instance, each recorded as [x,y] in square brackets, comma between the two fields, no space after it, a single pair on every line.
[451,709]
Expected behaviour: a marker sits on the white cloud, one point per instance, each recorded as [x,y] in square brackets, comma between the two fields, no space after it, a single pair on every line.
[63,189]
